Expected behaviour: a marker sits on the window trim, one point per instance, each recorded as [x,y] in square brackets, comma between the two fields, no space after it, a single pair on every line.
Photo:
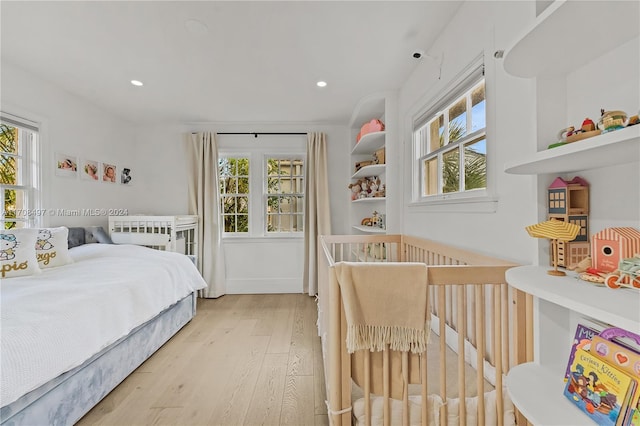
[31,156]
[258,184]
[477,200]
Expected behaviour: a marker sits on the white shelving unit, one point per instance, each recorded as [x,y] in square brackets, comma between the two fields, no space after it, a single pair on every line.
[542,52]
[612,148]
[372,107]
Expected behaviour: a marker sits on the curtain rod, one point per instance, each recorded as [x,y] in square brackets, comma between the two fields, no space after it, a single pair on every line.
[255,134]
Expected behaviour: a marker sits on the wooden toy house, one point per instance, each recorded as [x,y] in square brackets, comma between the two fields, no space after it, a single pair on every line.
[611,245]
[568,200]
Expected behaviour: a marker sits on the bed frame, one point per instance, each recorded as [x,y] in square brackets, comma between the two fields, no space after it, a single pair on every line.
[473,312]
[67,398]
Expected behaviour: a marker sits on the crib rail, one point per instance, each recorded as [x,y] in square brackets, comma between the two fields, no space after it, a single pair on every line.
[474,313]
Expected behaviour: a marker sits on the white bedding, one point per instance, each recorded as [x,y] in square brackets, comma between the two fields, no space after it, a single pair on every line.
[54,321]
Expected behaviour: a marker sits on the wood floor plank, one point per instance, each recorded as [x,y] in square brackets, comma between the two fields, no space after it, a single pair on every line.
[244,359]
[298,404]
[266,404]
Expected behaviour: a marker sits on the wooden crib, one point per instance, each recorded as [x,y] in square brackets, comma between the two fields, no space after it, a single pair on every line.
[480,329]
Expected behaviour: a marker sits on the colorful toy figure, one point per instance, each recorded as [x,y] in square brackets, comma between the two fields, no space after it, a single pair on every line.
[627,274]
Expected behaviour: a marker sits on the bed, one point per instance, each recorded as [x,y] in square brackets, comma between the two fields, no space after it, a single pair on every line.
[479,329]
[72,333]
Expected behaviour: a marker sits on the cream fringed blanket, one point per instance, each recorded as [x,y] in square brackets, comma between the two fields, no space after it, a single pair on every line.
[385,303]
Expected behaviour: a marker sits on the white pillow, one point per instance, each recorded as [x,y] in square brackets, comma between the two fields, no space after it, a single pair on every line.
[17,253]
[52,248]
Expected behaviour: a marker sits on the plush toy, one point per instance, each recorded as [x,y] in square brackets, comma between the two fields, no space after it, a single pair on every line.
[355,190]
[364,191]
[373,187]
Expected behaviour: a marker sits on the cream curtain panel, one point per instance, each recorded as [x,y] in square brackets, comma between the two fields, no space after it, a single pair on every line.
[317,211]
[204,201]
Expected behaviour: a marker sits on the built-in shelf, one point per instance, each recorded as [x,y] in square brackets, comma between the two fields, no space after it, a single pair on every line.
[369,199]
[617,147]
[541,52]
[549,406]
[370,229]
[620,308]
[369,143]
[373,170]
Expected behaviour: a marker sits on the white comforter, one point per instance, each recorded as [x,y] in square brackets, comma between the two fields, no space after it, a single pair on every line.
[54,321]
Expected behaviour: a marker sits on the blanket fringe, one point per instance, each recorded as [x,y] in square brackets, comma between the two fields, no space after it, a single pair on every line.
[376,337]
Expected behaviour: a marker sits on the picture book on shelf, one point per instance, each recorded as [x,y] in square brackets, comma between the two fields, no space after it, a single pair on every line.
[600,390]
[581,340]
[625,359]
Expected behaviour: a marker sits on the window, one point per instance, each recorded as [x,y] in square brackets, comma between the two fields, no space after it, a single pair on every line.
[234,193]
[262,194]
[18,173]
[285,195]
[450,144]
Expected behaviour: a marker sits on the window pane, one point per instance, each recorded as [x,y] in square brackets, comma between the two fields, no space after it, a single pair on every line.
[475,165]
[8,139]
[450,171]
[8,170]
[436,133]
[284,179]
[478,103]
[458,120]
[430,177]
[234,190]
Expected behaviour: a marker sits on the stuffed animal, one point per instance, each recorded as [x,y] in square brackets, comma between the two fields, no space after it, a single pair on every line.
[355,190]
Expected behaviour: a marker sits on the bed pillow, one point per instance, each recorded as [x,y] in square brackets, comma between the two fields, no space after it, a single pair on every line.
[17,253]
[76,237]
[96,234]
[52,247]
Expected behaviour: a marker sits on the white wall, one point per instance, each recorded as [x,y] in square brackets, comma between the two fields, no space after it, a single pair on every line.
[253,265]
[493,228]
[72,126]
[523,116]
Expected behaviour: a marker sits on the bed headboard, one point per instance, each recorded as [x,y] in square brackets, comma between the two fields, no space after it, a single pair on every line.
[86,235]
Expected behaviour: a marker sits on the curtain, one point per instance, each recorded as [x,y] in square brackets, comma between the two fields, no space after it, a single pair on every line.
[317,211]
[204,201]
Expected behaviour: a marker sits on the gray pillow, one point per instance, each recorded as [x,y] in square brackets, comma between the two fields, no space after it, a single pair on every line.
[76,237]
[98,235]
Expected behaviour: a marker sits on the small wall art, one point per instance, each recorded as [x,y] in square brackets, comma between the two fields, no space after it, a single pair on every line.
[66,165]
[109,172]
[89,170]
[126,177]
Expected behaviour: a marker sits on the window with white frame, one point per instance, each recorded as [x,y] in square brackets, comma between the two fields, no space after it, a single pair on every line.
[450,144]
[262,194]
[19,173]
[234,193]
[285,194]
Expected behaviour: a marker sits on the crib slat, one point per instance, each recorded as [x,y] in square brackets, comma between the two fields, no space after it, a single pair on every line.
[386,373]
[480,350]
[462,333]
[405,391]
[425,390]
[367,388]
[497,340]
[443,353]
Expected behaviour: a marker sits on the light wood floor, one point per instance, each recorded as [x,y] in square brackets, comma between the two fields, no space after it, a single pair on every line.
[243,360]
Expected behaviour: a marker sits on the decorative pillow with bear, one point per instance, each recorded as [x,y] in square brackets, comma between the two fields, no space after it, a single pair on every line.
[17,254]
[51,247]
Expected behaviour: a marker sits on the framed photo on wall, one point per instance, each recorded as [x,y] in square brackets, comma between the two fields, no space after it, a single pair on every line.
[89,170]
[126,176]
[66,165]
[109,172]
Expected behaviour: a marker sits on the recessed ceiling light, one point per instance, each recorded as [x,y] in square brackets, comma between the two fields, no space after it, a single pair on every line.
[321,84]
[136,82]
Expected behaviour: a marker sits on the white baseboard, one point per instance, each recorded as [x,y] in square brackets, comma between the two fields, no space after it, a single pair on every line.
[264,286]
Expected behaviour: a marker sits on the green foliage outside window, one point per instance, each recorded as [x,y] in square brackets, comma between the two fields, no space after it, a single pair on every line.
[8,170]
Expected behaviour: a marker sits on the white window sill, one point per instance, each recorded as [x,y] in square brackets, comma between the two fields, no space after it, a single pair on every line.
[456,204]
[261,239]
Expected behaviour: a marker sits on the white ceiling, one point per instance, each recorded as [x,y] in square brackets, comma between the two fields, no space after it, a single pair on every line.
[258,61]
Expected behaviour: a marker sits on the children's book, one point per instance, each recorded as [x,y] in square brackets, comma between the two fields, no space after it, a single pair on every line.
[627,360]
[581,340]
[600,390]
